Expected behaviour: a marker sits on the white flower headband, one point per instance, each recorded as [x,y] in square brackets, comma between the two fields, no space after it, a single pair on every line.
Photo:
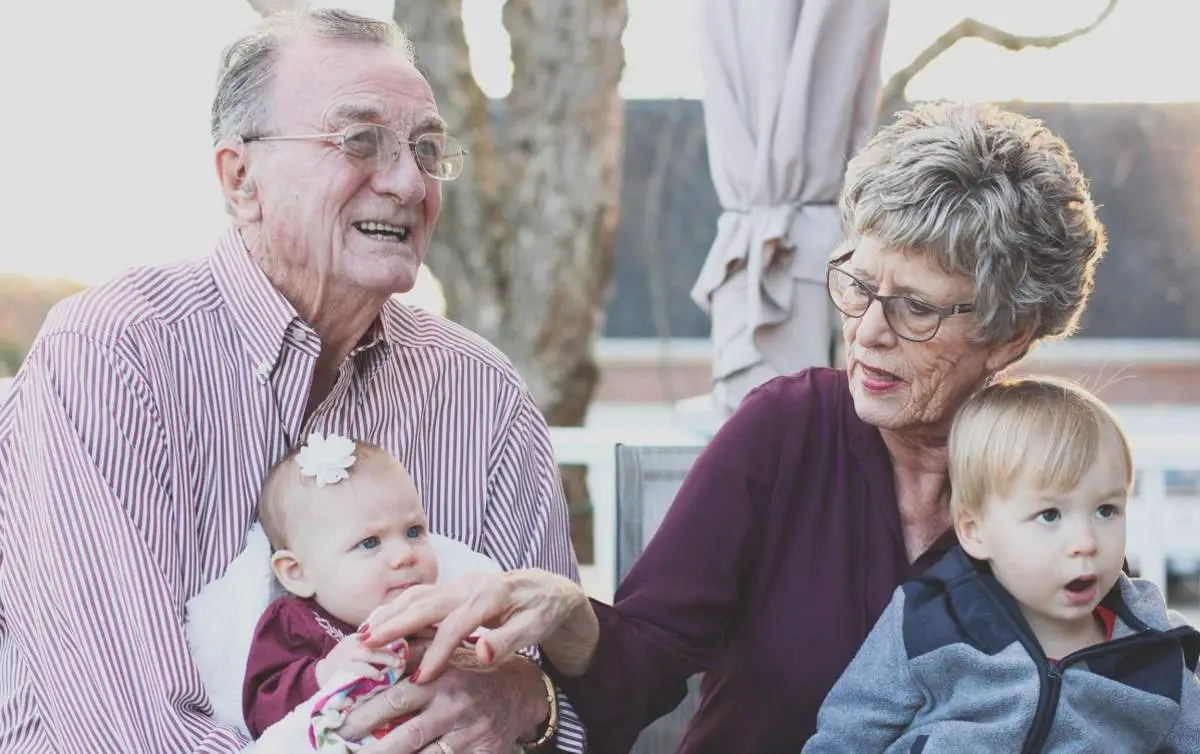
[326,459]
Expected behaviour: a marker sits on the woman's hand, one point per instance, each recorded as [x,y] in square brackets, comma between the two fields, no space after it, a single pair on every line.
[522,608]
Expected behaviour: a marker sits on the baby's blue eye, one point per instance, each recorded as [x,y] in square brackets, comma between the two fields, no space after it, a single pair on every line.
[1049,516]
[415,532]
[370,543]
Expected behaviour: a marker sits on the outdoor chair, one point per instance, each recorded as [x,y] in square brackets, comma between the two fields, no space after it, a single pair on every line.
[647,480]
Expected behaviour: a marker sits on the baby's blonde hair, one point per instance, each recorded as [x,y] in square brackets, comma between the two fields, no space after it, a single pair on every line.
[1046,430]
[277,501]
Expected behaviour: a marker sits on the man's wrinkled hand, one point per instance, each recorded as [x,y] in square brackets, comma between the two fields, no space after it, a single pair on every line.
[471,707]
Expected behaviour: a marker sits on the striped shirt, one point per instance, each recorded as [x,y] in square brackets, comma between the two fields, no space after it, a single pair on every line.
[132,449]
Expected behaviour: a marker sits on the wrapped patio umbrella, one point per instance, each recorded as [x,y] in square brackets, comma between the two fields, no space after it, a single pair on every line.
[790,96]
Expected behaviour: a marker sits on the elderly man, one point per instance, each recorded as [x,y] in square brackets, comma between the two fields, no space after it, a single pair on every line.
[139,431]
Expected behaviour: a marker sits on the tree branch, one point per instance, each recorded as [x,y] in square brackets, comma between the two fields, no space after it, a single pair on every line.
[893,91]
[271,7]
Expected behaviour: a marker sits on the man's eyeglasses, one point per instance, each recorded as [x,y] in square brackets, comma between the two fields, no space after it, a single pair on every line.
[439,156]
[910,318]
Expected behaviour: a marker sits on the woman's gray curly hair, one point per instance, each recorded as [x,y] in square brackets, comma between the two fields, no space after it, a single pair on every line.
[997,197]
[239,107]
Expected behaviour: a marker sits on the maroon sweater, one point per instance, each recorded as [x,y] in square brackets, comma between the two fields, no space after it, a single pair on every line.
[778,555]
[281,672]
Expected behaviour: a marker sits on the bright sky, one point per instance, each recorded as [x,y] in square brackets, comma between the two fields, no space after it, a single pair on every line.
[107,160]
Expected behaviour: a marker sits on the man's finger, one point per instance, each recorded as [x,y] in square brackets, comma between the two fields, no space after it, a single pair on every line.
[392,703]
[413,735]
[457,744]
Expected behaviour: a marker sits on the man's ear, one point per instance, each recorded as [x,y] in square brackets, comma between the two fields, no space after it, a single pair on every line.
[237,185]
[290,573]
[966,527]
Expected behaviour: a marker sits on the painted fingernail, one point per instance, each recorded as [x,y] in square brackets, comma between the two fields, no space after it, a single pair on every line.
[488,652]
[365,628]
[416,676]
[472,639]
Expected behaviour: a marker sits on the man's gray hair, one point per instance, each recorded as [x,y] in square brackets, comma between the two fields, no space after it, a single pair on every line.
[240,105]
[995,196]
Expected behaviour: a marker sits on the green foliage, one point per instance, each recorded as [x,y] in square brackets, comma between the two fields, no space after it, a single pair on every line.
[11,356]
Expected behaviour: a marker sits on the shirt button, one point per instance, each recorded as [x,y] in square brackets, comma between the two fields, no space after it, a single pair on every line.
[263,370]
[301,335]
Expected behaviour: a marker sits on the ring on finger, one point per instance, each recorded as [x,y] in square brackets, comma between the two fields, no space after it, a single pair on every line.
[445,747]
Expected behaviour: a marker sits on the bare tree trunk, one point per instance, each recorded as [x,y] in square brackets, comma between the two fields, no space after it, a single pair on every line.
[524,248]
[892,95]
[525,244]
[564,128]
[467,248]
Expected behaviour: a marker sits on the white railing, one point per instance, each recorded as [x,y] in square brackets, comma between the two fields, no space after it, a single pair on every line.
[1161,526]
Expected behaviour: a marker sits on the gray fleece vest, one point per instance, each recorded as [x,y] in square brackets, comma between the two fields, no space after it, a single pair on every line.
[952,666]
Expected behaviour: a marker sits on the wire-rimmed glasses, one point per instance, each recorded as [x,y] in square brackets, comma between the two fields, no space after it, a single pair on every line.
[439,155]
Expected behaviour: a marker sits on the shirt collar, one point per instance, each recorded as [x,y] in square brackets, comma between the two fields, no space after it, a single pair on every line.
[375,336]
[260,312]
[373,349]
[1108,618]
[265,319]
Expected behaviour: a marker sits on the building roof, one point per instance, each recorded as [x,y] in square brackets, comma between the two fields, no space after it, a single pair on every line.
[1142,161]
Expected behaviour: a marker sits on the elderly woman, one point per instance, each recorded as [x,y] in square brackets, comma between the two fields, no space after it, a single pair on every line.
[971,237]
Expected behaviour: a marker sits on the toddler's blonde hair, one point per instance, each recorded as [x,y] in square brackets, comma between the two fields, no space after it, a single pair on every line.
[1045,430]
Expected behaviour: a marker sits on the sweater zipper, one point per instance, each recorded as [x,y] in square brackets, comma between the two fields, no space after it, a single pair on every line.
[1051,682]
[1052,675]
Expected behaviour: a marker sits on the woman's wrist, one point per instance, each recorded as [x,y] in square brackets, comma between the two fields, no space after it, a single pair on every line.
[572,645]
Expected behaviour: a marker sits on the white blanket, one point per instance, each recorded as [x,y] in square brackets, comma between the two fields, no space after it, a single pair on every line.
[221,621]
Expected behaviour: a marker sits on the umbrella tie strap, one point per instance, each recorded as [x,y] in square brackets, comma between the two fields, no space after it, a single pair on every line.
[767,207]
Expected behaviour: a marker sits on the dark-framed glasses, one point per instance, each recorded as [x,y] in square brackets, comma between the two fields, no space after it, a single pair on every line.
[377,147]
[910,318]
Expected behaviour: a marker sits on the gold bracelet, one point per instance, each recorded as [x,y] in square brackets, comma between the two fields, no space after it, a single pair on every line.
[552,720]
